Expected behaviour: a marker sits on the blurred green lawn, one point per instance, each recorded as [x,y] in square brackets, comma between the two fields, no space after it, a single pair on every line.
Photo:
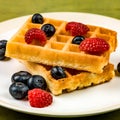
[16,8]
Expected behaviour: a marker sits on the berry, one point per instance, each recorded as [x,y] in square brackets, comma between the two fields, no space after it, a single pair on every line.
[77,39]
[3,43]
[118,67]
[37,18]
[18,90]
[37,81]
[94,45]
[35,34]
[57,72]
[21,76]
[39,98]
[2,53]
[49,29]
[2,49]
[76,28]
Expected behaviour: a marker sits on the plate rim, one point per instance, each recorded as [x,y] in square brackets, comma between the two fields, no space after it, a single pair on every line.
[106,110]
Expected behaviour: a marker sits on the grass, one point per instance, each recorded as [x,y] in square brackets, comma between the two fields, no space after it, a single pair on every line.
[14,8]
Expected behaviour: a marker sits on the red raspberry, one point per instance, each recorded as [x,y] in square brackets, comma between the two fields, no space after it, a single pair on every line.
[94,45]
[76,28]
[35,34]
[39,98]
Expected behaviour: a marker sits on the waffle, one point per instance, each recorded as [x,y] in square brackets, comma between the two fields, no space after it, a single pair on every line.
[75,79]
[59,50]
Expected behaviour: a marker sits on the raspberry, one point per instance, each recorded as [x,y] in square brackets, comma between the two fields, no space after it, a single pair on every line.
[37,35]
[76,28]
[94,45]
[39,98]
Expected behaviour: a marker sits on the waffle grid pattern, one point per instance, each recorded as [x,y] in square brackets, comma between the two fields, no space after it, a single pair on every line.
[59,50]
[62,39]
[75,79]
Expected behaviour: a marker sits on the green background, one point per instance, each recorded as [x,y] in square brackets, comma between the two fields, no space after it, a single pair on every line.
[15,8]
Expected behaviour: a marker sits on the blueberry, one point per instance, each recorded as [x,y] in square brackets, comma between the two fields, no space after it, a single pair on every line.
[37,18]
[57,72]
[2,53]
[49,29]
[18,90]
[77,39]
[118,67]
[3,43]
[37,81]
[21,76]
[2,49]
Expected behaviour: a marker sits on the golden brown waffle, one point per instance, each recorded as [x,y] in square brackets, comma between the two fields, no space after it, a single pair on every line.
[75,79]
[59,50]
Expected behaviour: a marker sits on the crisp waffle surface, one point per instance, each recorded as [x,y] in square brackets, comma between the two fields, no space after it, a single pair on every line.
[75,79]
[59,50]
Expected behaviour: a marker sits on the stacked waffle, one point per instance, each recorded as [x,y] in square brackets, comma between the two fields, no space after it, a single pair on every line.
[81,69]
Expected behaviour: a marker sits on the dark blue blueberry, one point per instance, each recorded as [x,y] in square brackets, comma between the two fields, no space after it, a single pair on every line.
[18,90]
[3,43]
[37,18]
[49,29]
[37,81]
[77,39]
[21,76]
[118,67]
[2,54]
[2,49]
[58,72]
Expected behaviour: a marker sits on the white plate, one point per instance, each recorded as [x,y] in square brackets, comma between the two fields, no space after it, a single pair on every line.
[93,100]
